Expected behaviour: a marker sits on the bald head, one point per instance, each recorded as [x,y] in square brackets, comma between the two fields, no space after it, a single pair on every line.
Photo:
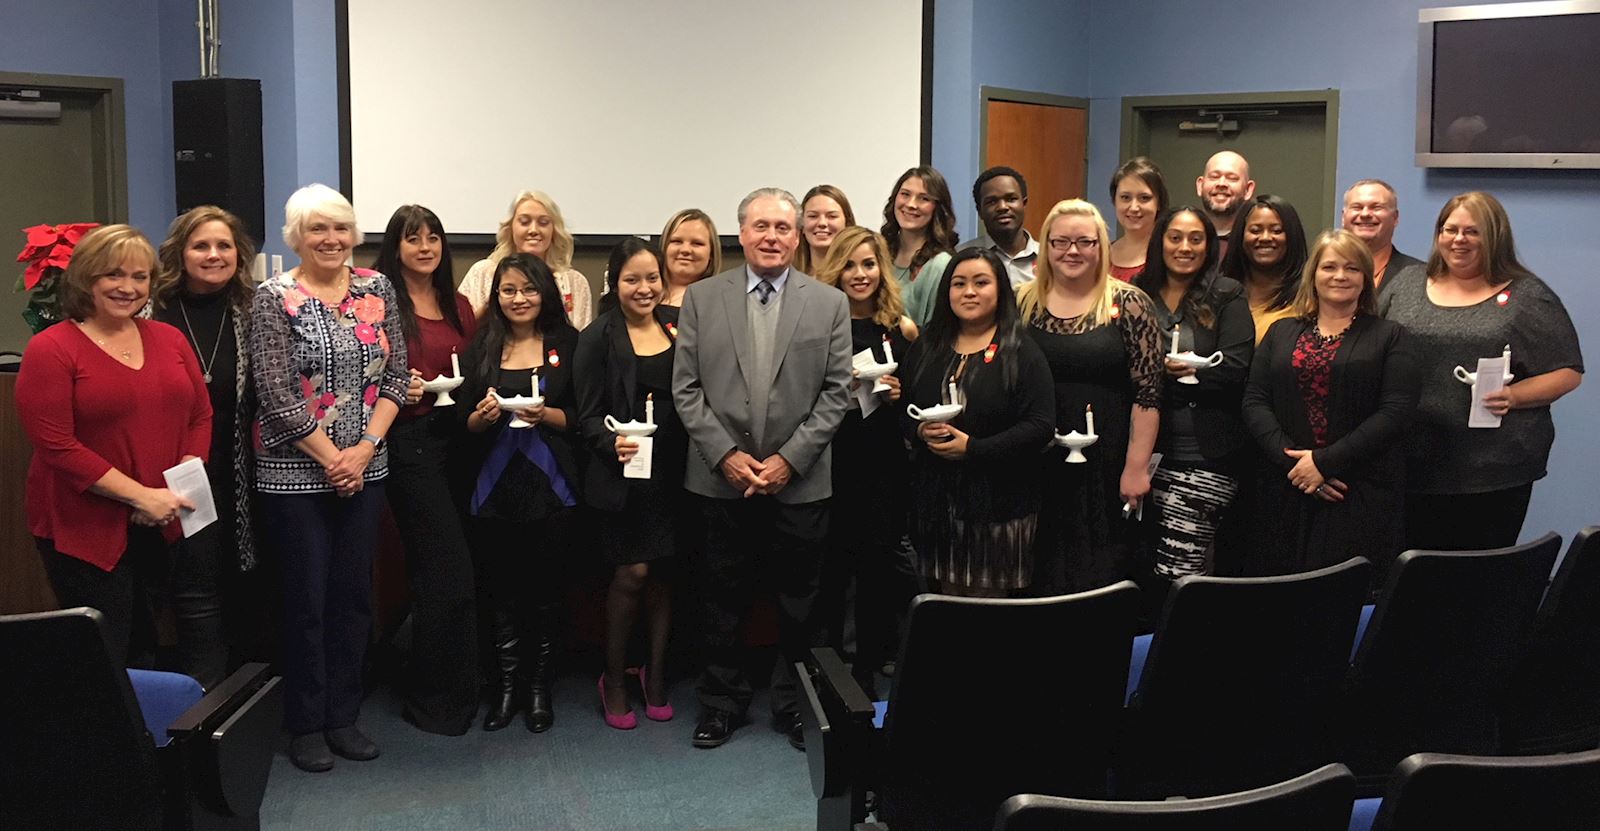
[1223,186]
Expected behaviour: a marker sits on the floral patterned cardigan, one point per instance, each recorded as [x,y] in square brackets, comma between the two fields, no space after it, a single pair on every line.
[321,366]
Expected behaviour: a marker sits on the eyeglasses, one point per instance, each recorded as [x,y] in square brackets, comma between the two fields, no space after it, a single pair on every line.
[1064,245]
[508,292]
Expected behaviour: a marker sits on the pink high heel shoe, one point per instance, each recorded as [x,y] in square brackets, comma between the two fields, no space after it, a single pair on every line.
[651,711]
[626,721]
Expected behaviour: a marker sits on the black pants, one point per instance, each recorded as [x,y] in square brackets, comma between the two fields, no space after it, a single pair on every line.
[885,577]
[196,594]
[750,543]
[325,543]
[442,689]
[125,595]
[1466,521]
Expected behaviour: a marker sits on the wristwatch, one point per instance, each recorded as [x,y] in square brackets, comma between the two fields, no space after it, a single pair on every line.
[378,442]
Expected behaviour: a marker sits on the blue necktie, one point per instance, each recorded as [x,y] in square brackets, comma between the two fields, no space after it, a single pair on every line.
[764,288]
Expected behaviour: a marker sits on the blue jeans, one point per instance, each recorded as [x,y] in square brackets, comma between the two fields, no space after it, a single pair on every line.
[325,543]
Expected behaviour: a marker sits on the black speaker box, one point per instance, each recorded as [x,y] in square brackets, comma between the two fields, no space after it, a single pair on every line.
[216,132]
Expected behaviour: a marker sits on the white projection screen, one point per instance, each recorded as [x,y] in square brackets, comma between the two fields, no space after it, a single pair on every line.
[626,111]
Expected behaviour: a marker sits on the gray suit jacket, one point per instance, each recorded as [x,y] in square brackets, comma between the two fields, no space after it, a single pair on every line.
[810,384]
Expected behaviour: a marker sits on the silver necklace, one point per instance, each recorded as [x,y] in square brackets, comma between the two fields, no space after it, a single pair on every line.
[205,365]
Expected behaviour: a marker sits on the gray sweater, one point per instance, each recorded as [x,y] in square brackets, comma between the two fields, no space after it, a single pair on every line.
[1444,455]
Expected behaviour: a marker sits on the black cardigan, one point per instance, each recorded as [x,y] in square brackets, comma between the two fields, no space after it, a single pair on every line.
[1215,399]
[558,372]
[1372,397]
[607,374]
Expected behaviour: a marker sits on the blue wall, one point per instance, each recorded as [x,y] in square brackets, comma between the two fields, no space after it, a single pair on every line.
[110,39]
[1033,45]
[1366,49]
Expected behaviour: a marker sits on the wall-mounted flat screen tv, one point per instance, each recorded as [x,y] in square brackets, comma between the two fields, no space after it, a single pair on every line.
[1509,85]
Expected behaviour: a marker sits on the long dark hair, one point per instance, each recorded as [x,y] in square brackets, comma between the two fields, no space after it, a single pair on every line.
[625,251]
[1199,303]
[1237,263]
[939,336]
[490,340]
[942,235]
[408,220]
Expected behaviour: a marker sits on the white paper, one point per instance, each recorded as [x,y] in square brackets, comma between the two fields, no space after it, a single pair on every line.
[638,467]
[1491,378]
[189,480]
[866,399]
[863,360]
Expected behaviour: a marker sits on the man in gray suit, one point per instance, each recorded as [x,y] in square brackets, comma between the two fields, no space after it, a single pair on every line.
[1371,212]
[761,383]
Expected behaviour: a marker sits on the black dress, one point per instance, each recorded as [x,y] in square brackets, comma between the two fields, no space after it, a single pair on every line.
[646,528]
[973,519]
[1084,542]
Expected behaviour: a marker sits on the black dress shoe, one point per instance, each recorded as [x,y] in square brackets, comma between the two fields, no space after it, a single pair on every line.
[790,726]
[352,744]
[309,752]
[714,729]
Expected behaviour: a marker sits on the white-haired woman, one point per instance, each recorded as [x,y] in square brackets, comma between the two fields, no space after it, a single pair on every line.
[535,227]
[330,373]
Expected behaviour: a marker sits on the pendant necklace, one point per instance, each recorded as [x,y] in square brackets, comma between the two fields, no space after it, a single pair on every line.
[205,365]
[127,354]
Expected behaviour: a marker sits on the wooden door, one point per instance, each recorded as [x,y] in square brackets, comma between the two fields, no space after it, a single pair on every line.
[1047,144]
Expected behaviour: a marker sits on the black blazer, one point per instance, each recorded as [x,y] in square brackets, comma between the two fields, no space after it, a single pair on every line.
[1372,397]
[606,380]
[560,356]
[1215,400]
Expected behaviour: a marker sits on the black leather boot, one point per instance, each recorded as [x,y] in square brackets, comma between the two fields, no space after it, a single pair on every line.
[503,701]
[541,670]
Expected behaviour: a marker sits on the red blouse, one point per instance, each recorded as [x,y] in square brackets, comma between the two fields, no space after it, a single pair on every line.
[86,413]
[431,354]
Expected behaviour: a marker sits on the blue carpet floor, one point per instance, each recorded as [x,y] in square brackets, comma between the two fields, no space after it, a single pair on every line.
[580,774]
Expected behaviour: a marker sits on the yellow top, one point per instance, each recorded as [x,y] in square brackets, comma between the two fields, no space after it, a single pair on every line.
[1264,319]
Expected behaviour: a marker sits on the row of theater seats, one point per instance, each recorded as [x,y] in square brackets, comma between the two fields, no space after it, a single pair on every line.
[85,745]
[1245,684]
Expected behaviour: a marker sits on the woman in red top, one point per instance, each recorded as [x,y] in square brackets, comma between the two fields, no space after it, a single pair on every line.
[109,402]
[441,693]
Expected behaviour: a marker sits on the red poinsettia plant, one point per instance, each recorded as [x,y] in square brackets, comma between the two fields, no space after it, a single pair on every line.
[47,254]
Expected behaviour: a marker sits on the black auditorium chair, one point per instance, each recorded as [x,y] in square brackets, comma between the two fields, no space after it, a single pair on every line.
[1431,791]
[1434,664]
[1316,801]
[83,747]
[1554,702]
[1241,683]
[991,697]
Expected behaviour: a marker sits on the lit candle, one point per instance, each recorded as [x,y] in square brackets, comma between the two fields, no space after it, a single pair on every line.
[954,395]
[1174,340]
[1088,416]
[535,383]
[888,351]
[649,408]
[455,364]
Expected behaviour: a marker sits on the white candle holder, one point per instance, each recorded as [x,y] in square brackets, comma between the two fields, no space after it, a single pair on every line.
[441,387]
[875,373]
[1195,362]
[518,402]
[1075,442]
[631,429]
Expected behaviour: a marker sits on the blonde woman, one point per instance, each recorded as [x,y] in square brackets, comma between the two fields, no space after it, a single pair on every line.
[1104,347]
[824,212]
[870,473]
[1331,392]
[535,226]
[693,253]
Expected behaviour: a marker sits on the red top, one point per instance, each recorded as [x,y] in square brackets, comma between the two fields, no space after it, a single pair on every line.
[86,413]
[1126,273]
[430,353]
